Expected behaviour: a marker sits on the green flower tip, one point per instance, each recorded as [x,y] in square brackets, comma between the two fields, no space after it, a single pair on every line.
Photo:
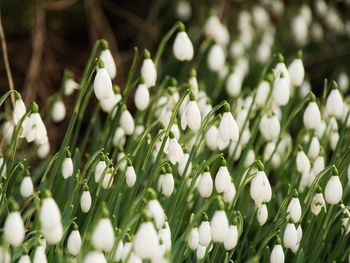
[205,217]
[13,204]
[220,203]
[181,27]
[295,193]
[86,187]
[206,169]
[171,135]
[185,149]
[312,96]
[319,189]
[335,170]
[100,63]
[300,148]
[227,107]
[35,107]
[168,169]
[129,162]
[20,165]
[116,89]
[163,170]
[145,216]
[192,97]
[152,193]
[128,238]
[173,82]
[105,212]
[75,226]
[280,58]
[68,154]
[269,77]
[334,85]
[223,161]
[235,221]
[259,165]
[68,74]
[300,54]
[161,125]
[193,73]
[47,194]
[146,54]
[142,80]
[17,95]
[278,240]
[104,44]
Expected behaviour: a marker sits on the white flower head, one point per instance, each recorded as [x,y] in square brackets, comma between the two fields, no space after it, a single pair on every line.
[216,58]
[333,191]
[14,229]
[318,202]
[146,242]
[94,257]
[74,242]
[277,254]
[219,226]
[296,71]
[142,97]
[303,162]
[260,189]
[85,201]
[67,167]
[26,188]
[130,175]
[191,116]
[108,60]
[103,234]
[183,48]
[58,111]
[34,128]
[228,128]
[312,116]
[204,232]
[205,185]
[127,122]
[231,239]
[335,104]
[175,152]
[294,208]
[148,70]
[193,238]
[290,236]
[281,90]
[155,210]
[102,83]
[19,111]
[222,178]
[262,214]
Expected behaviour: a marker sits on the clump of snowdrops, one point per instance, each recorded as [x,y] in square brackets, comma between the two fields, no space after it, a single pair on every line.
[259,176]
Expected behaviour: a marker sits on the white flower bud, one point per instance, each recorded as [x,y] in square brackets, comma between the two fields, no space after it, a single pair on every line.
[39,255]
[294,210]
[142,97]
[95,257]
[193,238]
[19,111]
[103,85]
[14,229]
[204,233]
[230,193]
[127,122]
[165,237]
[234,84]
[69,86]
[74,243]
[107,180]
[67,168]
[103,235]
[205,186]
[109,104]
[183,48]
[296,72]
[334,104]
[281,90]
[333,191]
[290,236]
[191,117]
[130,176]
[175,152]
[211,137]
[303,163]
[99,170]
[222,179]
[108,60]
[312,116]
[231,238]
[119,137]
[200,252]
[262,93]
[262,214]
[220,228]
[43,150]
[317,203]
[85,202]
[149,72]
[314,148]
[156,212]
[216,58]
[182,165]
[50,215]
[119,251]
[54,234]
[24,259]
[260,189]
[168,185]
[146,242]
[277,254]
[228,128]
[334,140]
[34,129]
[27,187]
[58,111]
[270,127]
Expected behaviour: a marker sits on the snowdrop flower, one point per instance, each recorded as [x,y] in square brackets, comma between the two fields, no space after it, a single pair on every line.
[262,93]
[314,148]
[167,186]
[334,104]
[67,167]
[127,122]
[85,201]
[296,71]
[155,210]
[108,105]
[34,128]
[95,257]
[103,235]
[146,243]
[24,259]
[49,215]
[281,90]
[43,150]
[216,58]
[270,127]
[7,131]
[142,97]
[26,188]
[262,214]
[205,185]
[294,209]
[200,252]
[204,232]
[334,190]
[14,229]
[183,48]
[191,116]
[231,238]
[74,242]
[175,152]
[228,128]
[234,84]
[58,111]
[39,255]
[119,251]
[130,175]
[220,227]
[148,70]
[300,235]
[211,137]
[290,237]
[165,237]
[19,110]
[102,83]
[260,189]
[99,170]
[230,193]
[334,138]
[277,254]
[70,85]
[222,178]
[193,238]
[107,179]
[317,202]
[312,116]
[303,162]
[182,165]
[119,138]
[108,60]
[5,255]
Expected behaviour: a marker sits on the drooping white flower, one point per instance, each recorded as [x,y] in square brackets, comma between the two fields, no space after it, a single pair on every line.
[270,127]
[175,152]
[262,93]
[19,110]
[281,90]
[303,162]
[216,58]
[192,116]
[211,137]
[58,111]
[205,185]
[156,211]
[103,235]
[130,176]
[14,229]
[277,254]
[200,252]
[262,214]
[43,150]
[108,60]
[146,242]
[260,189]
[7,131]
[109,104]
[334,138]
[95,257]
[228,128]
[165,237]
[67,167]
[149,71]
[317,203]
[204,232]
[219,226]
[296,72]
[34,128]
[119,251]
[314,148]
[39,255]
[142,97]
[74,243]
[85,201]
[183,10]
[335,104]
[182,165]
[230,193]
[231,239]
[290,236]
[234,84]
[294,210]
[102,83]
[26,188]
[333,191]
[70,85]
[127,122]
[167,185]
[24,259]
[107,179]
[183,48]
[99,170]
[50,215]
[300,235]
[312,116]
[222,178]
[193,238]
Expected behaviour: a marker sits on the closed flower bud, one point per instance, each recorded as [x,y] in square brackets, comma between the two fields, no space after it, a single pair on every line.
[103,235]
[50,215]
[130,176]
[94,257]
[303,163]
[165,237]
[168,185]
[108,60]
[155,210]
[334,190]
[216,58]
[222,179]
[85,202]
[182,165]
[230,193]
[107,180]
[281,90]
[142,97]
[260,189]
[103,85]
[334,104]
[228,128]
[290,237]
[119,137]
[183,48]
[99,170]
[312,116]
[294,209]
[175,152]
[317,203]
[149,72]
[205,186]
[220,227]
[39,255]
[200,252]
[262,214]
[119,251]
[211,137]
[193,238]
[234,84]
[314,148]
[204,233]
[277,254]
[191,117]
[74,243]
[127,122]
[296,72]
[58,111]
[69,86]
[262,93]
[27,187]
[43,150]
[67,167]
[146,242]
[24,259]
[109,104]
[19,111]
[53,235]
[14,229]
[231,238]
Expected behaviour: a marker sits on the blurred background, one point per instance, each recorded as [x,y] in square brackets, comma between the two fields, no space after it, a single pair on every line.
[45,37]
